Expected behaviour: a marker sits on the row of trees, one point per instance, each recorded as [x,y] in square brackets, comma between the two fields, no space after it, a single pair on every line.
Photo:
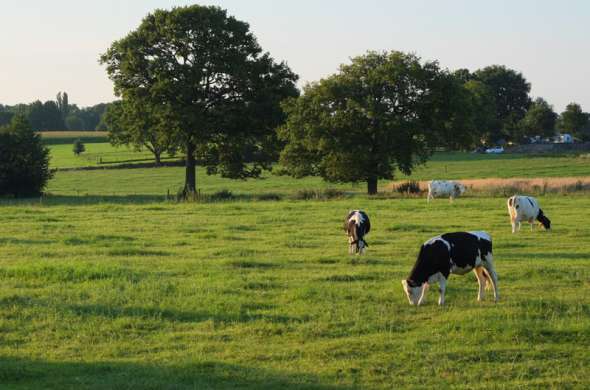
[506,111]
[58,114]
[195,80]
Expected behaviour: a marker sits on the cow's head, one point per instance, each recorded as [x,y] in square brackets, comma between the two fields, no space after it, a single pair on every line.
[414,292]
[546,222]
[356,239]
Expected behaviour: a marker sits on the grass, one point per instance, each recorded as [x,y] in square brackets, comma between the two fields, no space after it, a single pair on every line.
[263,295]
[104,284]
[459,165]
[97,154]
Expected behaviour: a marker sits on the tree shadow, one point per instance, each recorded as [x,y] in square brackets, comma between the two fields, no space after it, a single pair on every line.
[74,200]
[81,200]
[28,373]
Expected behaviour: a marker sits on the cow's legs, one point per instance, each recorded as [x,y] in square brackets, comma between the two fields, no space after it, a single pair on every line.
[429,197]
[481,281]
[442,287]
[423,294]
[493,277]
[513,226]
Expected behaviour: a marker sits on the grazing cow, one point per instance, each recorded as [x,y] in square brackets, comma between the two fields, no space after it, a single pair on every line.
[444,188]
[526,208]
[452,253]
[357,225]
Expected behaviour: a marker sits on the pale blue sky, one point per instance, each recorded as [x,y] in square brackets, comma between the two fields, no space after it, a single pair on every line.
[51,46]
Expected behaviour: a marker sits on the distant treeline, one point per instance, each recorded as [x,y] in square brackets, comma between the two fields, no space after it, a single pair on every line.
[54,115]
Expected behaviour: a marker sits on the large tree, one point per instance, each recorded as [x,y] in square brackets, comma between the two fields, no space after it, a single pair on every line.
[511,97]
[141,126]
[539,120]
[381,112]
[24,160]
[575,121]
[208,70]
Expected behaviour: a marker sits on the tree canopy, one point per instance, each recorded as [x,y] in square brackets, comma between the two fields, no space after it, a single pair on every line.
[539,119]
[380,112]
[575,121]
[510,91]
[209,72]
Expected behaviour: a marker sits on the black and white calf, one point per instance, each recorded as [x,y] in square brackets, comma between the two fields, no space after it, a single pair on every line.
[526,208]
[357,225]
[452,253]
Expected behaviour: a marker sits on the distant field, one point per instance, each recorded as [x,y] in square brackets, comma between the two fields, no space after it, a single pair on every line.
[459,165]
[96,154]
[159,180]
[68,137]
[262,295]
[454,165]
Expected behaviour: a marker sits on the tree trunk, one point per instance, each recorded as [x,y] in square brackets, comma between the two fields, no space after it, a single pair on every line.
[157,156]
[372,185]
[190,182]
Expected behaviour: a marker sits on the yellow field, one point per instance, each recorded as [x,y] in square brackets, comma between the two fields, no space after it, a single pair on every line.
[70,134]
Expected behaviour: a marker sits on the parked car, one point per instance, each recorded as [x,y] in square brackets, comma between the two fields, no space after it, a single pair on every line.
[495,150]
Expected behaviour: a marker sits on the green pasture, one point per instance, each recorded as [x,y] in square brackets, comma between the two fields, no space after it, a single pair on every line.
[106,285]
[443,165]
[263,295]
[97,154]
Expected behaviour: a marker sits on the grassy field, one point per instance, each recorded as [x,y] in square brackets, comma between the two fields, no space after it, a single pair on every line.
[96,154]
[104,284]
[263,295]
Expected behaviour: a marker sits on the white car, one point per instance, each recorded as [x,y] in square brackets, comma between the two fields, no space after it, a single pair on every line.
[496,150]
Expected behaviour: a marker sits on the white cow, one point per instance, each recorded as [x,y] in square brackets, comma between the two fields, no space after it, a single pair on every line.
[444,188]
[526,208]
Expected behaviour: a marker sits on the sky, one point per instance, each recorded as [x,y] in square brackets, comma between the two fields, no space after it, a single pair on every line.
[52,46]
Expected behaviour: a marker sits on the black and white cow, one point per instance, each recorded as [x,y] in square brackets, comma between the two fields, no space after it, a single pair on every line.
[452,253]
[526,208]
[444,188]
[357,225]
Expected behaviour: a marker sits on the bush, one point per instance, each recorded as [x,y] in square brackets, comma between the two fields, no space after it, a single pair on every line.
[24,160]
[78,147]
[409,187]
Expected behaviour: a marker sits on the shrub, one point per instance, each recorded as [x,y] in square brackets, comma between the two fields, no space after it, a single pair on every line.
[78,147]
[24,160]
[409,187]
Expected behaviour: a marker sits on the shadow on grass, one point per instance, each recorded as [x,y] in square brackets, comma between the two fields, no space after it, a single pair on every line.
[29,373]
[75,200]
